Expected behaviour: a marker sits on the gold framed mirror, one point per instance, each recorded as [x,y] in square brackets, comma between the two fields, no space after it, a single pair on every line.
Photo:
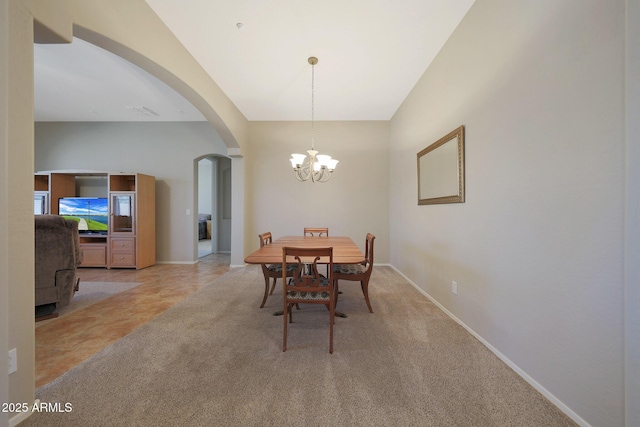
[441,170]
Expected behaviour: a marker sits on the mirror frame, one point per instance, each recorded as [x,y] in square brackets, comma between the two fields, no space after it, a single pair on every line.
[457,134]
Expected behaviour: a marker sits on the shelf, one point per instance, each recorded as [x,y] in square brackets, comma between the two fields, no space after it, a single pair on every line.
[122,183]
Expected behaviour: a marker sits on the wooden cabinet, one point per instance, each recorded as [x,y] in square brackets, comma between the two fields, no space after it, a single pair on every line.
[130,241]
[132,222]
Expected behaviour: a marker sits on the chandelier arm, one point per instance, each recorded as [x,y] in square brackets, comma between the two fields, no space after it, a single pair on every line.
[326,173]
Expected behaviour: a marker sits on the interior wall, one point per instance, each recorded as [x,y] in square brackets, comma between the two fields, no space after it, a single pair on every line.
[632,232]
[537,247]
[164,150]
[353,203]
[16,187]
[4,206]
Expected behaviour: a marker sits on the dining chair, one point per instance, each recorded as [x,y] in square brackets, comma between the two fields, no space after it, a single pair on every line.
[307,286]
[311,231]
[271,271]
[358,272]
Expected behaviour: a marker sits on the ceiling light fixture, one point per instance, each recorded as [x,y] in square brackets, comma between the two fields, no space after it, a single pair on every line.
[318,167]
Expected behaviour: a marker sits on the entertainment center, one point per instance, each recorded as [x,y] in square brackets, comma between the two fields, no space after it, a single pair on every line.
[115,212]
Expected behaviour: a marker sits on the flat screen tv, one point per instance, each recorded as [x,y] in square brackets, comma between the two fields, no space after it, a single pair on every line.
[92,213]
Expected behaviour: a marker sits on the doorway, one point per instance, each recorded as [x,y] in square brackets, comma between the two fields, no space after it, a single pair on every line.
[213,194]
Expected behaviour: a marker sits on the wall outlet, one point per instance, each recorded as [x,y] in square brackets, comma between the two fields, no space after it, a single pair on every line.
[454,287]
[13,361]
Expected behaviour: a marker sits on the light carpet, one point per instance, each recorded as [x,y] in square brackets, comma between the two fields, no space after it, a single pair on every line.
[90,293]
[216,359]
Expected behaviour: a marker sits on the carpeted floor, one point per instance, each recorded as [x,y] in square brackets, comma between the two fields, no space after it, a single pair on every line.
[216,359]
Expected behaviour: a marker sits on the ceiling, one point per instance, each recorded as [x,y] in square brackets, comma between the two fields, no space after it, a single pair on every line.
[371,53]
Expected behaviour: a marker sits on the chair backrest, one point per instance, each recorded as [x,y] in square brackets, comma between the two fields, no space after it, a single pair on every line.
[368,251]
[265,238]
[314,231]
[306,277]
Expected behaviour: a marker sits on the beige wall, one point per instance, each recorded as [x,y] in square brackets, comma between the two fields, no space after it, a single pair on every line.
[537,248]
[17,186]
[4,206]
[632,232]
[352,203]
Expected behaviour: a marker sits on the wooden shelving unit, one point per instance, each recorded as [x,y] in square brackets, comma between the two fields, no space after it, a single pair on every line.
[131,238]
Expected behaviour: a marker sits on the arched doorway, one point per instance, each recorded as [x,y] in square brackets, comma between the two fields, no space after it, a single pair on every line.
[213,201]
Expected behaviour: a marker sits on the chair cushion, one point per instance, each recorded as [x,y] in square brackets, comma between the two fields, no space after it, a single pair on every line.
[278,267]
[349,268]
[311,296]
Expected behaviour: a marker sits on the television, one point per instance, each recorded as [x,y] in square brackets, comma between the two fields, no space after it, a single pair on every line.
[92,213]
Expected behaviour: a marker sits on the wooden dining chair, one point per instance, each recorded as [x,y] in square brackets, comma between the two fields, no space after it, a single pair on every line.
[307,286]
[358,272]
[315,231]
[311,231]
[271,271]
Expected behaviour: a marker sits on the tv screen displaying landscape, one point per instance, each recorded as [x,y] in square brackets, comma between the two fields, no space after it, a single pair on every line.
[92,213]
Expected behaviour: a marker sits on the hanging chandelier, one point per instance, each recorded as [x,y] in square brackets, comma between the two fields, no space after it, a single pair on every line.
[318,167]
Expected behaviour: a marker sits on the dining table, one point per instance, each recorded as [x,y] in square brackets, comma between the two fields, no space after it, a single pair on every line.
[345,251]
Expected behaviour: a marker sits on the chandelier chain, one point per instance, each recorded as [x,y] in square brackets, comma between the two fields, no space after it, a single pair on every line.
[313,67]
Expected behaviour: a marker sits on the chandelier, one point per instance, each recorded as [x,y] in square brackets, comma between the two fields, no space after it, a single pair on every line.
[318,167]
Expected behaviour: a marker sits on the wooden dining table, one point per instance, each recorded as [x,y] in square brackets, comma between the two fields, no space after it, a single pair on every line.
[345,251]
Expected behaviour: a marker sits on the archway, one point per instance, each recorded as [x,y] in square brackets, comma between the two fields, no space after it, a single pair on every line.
[213,188]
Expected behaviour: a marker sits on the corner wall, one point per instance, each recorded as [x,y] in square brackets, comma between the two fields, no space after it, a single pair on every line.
[537,248]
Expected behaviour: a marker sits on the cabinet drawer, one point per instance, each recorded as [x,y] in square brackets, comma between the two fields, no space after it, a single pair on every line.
[123,259]
[123,244]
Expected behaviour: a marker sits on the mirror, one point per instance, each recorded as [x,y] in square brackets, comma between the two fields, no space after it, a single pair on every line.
[441,170]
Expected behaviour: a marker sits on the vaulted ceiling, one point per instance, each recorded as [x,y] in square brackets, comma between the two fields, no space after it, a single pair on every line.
[371,53]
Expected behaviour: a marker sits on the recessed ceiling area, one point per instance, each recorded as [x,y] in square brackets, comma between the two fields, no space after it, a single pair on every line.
[371,54]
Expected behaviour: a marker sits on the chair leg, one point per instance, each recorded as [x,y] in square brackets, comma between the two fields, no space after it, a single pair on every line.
[365,290]
[284,335]
[332,317]
[273,286]
[266,291]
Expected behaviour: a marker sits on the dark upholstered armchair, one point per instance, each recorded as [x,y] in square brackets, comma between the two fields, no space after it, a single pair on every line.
[57,255]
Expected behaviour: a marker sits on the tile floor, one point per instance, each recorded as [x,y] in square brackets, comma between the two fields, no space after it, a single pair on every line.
[66,341]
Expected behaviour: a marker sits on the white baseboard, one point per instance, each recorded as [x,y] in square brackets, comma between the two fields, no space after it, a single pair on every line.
[546,393]
[14,421]
[177,262]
